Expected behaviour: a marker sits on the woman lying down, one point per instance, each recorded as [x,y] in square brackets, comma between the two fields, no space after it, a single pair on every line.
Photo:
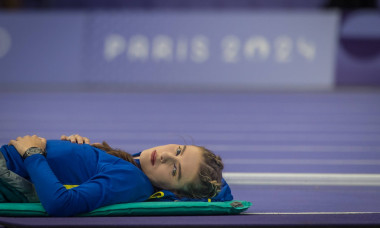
[72,176]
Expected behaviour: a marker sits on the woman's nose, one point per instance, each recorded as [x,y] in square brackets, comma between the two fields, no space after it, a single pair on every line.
[166,157]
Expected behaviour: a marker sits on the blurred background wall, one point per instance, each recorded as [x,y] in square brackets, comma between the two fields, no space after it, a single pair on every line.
[223,45]
[75,46]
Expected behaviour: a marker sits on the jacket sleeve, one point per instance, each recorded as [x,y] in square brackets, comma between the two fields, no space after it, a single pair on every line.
[109,186]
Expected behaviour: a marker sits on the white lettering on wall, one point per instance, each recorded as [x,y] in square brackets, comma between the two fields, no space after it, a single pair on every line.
[283,49]
[230,49]
[306,48]
[256,47]
[114,46]
[138,48]
[5,42]
[162,48]
[199,49]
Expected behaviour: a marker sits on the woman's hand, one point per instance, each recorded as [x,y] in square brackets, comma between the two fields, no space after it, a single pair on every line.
[76,139]
[23,143]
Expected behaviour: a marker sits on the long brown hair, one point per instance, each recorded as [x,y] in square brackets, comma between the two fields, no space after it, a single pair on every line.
[209,180]
[115,152]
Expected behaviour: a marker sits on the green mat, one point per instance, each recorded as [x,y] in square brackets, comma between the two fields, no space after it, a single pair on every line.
[135,209]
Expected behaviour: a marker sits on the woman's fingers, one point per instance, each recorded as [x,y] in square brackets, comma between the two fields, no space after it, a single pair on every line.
[76,139]
[79,139]
[12,142]
[72,139]
[43,140]
[63,137]
[86,140]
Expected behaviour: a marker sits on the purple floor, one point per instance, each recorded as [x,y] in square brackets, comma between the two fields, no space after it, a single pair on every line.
[324,133]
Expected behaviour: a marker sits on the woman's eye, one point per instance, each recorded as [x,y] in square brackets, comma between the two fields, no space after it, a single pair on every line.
[178,151]
[174,170]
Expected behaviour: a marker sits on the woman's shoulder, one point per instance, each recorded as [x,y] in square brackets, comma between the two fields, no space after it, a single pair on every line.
[61,145]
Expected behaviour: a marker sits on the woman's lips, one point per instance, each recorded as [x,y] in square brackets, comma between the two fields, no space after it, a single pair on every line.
[153,157]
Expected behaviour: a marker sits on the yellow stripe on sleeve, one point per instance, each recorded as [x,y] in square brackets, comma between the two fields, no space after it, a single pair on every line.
[67,186]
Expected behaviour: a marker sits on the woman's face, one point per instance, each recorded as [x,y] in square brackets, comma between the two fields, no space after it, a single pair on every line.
[172,166]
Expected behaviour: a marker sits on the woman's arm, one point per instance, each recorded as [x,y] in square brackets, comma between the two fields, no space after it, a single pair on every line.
[54,197]
[52,194]
[120,182]
[115,183]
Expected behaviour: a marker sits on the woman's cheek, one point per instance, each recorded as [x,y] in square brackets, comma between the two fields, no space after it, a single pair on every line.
[162,179]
